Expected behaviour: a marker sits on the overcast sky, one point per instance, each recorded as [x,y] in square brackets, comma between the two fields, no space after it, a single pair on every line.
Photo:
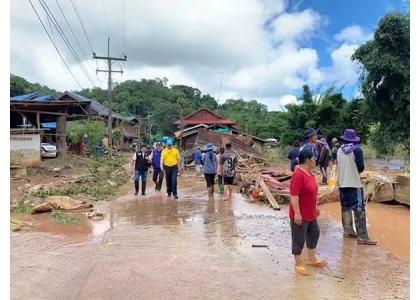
[267,49]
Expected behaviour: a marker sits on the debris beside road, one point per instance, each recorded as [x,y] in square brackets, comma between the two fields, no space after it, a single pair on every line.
[265,185]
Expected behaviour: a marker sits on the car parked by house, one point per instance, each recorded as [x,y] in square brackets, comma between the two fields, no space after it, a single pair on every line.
[48,150]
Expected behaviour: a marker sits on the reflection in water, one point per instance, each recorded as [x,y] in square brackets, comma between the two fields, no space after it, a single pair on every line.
[389,224]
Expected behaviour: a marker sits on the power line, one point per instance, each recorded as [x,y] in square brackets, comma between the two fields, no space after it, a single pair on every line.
[52,32]
[81,23]
[77,41]
[55,45]
[66,40]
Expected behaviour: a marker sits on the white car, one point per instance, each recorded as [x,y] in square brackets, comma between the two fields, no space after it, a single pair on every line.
[48,150]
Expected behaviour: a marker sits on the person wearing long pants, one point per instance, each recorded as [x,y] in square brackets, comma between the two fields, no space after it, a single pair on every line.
[140,164]
[323,159]
[172,180]
[170,164]
[220,182]
[210,167]
[350,163]
[157,172]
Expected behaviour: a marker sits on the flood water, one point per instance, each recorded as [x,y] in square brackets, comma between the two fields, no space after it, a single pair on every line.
[197,248]
[388,224]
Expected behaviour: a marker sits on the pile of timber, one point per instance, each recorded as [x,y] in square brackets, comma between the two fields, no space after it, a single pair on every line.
[265,185]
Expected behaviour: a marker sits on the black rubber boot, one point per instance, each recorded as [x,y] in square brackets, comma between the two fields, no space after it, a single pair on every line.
[143,188]
[362,234]
[136,187]
[347,221]
[156,185]
[159,186]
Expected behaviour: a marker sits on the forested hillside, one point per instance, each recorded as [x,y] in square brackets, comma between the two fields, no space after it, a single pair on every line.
[381,116]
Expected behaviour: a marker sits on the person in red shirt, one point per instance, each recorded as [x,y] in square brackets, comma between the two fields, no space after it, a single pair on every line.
[303,212]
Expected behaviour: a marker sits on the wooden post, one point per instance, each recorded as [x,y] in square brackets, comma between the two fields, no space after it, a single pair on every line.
[38,120]
[61,135]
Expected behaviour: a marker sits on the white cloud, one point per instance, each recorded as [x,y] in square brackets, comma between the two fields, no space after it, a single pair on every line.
[288,99]
[188,42]
[353,35]
[298,25]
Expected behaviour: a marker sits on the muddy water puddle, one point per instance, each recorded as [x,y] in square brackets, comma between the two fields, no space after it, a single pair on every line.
[192,248]
[388,224]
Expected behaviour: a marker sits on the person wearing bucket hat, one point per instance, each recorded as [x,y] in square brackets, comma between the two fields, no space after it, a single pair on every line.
[310,143]
[209,170]
[323,159]
[350,165]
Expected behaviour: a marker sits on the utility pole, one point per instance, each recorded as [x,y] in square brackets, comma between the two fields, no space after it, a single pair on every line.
[109,61]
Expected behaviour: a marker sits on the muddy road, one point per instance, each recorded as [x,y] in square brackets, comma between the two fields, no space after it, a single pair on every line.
[193,248]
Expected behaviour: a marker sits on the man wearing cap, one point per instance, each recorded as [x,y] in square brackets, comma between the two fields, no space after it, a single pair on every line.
[350,164]
[157,172]
[334,149]
[140,164]
[310,143]
[170,164]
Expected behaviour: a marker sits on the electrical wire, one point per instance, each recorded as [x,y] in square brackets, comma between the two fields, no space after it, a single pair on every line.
[66,40]
[39,18]
[52,32]
[81,23]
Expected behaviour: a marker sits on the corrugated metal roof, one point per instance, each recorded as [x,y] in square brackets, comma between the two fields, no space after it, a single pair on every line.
[218,139]
[95,105]
[46,97]
[25,97]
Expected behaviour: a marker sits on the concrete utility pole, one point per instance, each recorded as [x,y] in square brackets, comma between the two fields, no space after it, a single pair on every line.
[109,60]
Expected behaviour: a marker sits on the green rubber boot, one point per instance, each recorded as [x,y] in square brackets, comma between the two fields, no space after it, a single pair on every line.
[221,189]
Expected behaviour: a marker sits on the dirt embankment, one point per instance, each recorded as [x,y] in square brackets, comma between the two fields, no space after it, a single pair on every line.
[73,183]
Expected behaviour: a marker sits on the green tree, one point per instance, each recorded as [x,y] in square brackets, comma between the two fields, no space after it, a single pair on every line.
[385,82]
[94,128]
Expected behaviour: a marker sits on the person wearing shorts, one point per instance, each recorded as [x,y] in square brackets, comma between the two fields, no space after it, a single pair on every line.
[303,212]
[228,162]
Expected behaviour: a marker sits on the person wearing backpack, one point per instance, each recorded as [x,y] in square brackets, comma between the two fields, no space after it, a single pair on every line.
[210,168]
[228,162]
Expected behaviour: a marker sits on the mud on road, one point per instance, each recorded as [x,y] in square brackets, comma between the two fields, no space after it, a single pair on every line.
[193,248]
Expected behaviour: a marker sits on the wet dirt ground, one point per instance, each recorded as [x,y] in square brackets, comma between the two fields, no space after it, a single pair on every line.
[152,247]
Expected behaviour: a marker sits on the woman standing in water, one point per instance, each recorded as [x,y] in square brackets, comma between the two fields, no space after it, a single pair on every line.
[209,170]
[303,212]
[219,170]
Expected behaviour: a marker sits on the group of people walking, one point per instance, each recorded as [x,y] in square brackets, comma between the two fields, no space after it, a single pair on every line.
[303,210]
[221,162]
[166,163]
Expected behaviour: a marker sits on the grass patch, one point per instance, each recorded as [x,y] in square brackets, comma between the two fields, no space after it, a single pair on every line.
[63,218]
[100,180]
[20,208]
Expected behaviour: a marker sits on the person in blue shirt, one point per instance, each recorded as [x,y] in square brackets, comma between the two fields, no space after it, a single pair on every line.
[196,155]
[158,174]
[310,143]
[293,154]
[210,167]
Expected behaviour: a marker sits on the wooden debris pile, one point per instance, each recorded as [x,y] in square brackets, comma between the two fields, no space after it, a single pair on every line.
[264,185]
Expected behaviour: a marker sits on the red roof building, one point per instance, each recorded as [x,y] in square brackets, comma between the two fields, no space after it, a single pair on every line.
[204,116]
